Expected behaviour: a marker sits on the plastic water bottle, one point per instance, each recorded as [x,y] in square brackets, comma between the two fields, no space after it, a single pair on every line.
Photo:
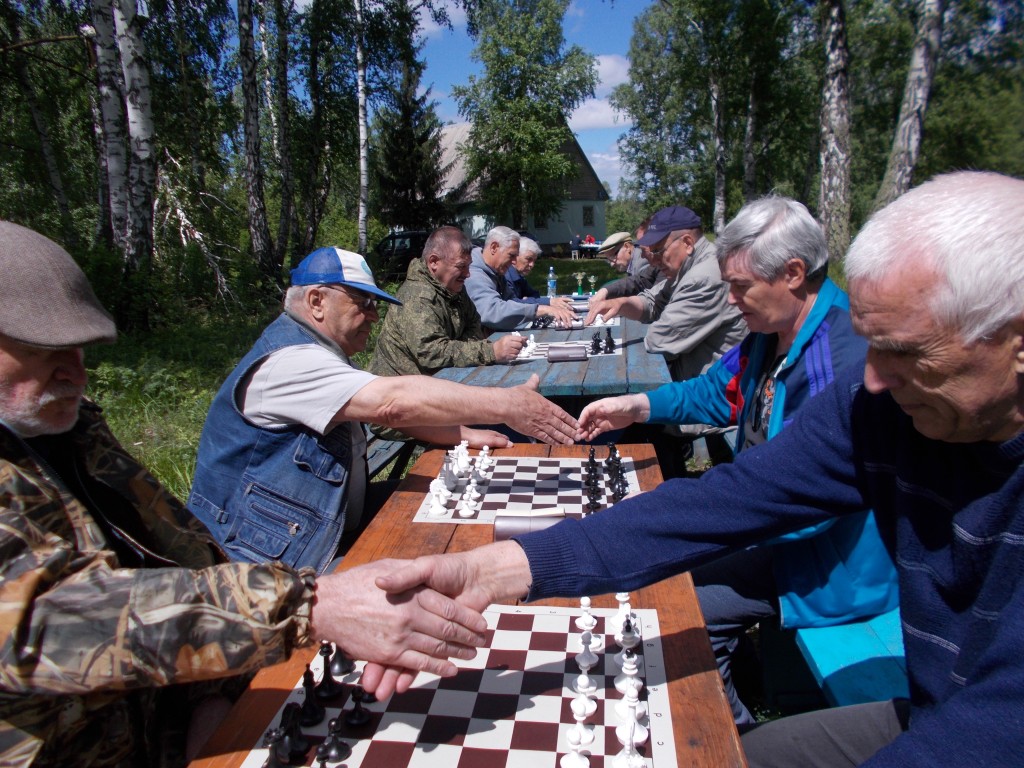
[552,283]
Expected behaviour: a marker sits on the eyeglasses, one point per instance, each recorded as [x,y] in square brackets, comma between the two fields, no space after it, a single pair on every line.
[362,300]
[659,252]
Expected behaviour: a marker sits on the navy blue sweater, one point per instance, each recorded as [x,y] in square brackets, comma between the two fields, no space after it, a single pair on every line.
[952,515]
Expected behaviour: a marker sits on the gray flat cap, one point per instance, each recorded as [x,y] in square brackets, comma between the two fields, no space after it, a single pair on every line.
[45,298]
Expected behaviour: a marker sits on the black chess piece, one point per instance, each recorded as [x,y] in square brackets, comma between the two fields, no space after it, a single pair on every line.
[328,688]
[272,741]
[294,743]
[358,715]
[609,342]
[334,748]
[595,344]
[341,664]
[312,710]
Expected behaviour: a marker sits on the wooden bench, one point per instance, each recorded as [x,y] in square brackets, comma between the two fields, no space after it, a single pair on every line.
[381,454]
[857,662]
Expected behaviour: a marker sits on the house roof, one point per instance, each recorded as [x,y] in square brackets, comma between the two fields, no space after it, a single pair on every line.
[586,185]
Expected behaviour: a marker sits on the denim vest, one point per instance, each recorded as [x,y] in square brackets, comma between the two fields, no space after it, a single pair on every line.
[271,494]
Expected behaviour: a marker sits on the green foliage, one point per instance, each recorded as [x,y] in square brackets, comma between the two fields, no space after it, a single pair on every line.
[520,105]
[155,389]
[409,171]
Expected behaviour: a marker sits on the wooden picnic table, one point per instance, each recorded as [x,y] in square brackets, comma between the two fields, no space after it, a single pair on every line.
[635,370]
[702,720]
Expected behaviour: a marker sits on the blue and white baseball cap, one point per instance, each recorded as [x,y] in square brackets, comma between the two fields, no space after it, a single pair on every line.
[334,266]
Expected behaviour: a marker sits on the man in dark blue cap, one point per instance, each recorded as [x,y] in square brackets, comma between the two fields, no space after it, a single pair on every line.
[692,324]
[281,472]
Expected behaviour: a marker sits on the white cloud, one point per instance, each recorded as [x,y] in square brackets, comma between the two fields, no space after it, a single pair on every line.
[597,113]
[456,15]
[612,70]
[608,167]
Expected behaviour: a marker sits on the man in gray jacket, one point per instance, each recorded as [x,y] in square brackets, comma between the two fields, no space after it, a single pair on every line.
[493,295]
[692,323]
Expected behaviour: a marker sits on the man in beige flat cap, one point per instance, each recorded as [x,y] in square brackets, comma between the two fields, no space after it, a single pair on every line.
[112,596]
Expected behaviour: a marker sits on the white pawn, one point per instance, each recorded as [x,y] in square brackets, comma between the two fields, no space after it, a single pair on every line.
[469,507]
[586,658]
[573,758]
[586,622]
[472,492]
[632,731]
[484,461]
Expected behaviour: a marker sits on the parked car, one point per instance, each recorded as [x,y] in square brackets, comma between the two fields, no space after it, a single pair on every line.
[395,251]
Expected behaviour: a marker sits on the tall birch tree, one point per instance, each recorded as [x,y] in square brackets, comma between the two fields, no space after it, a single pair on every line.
[259,228]
[906,142]
[834,196]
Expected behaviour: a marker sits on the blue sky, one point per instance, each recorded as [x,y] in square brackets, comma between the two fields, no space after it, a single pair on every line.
[600,27]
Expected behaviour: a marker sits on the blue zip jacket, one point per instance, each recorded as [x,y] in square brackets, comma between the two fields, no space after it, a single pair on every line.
[271,494]
[838,570]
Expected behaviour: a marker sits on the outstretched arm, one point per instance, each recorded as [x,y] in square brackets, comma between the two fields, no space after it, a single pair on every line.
[613,413]
[424,401]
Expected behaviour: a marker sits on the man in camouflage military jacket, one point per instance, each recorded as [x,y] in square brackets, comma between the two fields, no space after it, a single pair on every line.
[110,595]
[437,325]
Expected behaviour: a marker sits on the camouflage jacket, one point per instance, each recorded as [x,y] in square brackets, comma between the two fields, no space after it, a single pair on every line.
[90,651]
[433,329]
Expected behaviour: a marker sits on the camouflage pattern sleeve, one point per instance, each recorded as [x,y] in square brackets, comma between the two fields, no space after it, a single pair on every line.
[72,620]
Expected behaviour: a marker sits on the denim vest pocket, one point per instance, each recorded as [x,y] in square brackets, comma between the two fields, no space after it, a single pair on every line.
[273,527]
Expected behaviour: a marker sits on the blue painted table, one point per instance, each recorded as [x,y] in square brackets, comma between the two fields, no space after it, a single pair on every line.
[635,370]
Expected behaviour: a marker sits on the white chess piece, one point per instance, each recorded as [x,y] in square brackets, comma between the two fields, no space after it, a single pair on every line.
[586,622]
[632,731]
[573,758]
[472,492]
[630,674]
[615,622]
[628,639]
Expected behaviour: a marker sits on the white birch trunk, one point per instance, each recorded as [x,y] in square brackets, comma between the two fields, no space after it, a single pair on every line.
[113,145]
[906,141]
[364,140]
[138,109]
[749,147]
[259,230]
[718,127]
[834,197]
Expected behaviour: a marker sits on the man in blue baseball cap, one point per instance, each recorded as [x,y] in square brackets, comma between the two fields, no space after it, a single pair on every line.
[281,472]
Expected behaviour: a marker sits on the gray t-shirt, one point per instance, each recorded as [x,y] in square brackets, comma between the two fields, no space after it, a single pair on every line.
[307,384]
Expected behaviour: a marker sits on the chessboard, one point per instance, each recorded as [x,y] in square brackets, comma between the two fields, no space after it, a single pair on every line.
[526,485]
[540,349]
[516,705]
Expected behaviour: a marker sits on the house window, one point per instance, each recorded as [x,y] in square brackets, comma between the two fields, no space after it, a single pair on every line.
[588,215]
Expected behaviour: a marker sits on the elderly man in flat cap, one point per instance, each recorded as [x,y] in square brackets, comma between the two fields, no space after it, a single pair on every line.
[281,472]
[107,647]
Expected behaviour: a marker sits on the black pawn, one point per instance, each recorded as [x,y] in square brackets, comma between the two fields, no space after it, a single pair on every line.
[341,664]
[312,710]
[272,741]
[595,343]
[358,715]
[334,748]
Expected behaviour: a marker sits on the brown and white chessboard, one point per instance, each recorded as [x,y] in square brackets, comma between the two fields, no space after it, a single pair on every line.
[521,485]
[507,708]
